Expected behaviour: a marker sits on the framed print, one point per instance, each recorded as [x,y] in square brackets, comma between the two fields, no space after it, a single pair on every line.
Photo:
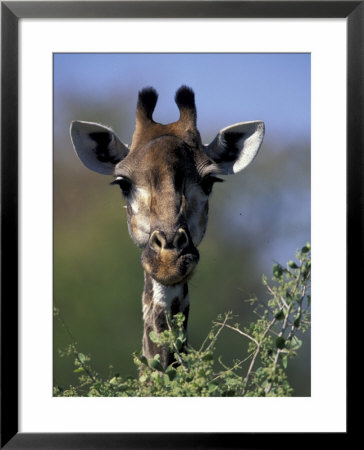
[81,76]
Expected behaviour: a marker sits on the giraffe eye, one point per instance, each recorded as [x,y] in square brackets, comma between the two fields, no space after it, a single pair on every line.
[124,184]
[208,182]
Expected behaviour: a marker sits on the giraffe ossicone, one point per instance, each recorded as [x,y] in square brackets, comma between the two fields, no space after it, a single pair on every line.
[166,176]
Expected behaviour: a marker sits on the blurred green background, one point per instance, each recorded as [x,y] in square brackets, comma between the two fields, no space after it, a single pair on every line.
[256,218]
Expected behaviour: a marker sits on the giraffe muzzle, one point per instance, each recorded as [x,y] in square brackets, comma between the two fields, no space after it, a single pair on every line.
[170,258]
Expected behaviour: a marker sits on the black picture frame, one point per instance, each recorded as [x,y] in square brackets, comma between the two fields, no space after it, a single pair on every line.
[11,12]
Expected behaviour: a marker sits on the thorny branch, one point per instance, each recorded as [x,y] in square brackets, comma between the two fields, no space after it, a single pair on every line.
[281,308]
[75,350]
[246,380]
[179,358]
[237,330]
[218,332]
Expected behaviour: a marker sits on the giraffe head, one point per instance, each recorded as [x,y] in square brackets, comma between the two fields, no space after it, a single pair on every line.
[166,177]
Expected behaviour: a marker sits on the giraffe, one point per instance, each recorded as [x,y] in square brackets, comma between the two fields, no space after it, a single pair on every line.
[166,176]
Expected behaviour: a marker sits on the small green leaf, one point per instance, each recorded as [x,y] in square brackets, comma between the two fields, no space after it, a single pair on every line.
[279,315]
[154,337]
[292,265]
[277,270]
[78,370]
[155,376]
[296,323]
[280,341]
[212,387]
[182,335]
[179,343]
[142,359]
[143,378]
[296,343]
[171,372]
[285,361]
[155,364]
[81,357]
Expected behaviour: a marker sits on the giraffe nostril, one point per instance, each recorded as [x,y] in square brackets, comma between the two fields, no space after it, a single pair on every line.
[181,239]
[157,241]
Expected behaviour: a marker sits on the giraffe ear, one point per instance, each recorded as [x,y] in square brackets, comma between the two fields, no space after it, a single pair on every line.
[98,147]
[235,147]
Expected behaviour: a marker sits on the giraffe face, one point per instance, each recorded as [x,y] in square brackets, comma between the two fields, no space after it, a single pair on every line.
[166,185]
[166,177]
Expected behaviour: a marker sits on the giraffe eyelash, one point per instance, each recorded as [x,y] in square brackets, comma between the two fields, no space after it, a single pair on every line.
[124,184]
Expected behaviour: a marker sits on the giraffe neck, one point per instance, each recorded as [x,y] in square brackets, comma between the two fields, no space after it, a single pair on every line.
[159,300]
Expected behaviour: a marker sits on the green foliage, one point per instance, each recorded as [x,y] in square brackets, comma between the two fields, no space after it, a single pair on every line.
[273,341]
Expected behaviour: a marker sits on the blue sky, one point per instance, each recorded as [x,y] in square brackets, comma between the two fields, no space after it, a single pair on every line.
[229,87]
